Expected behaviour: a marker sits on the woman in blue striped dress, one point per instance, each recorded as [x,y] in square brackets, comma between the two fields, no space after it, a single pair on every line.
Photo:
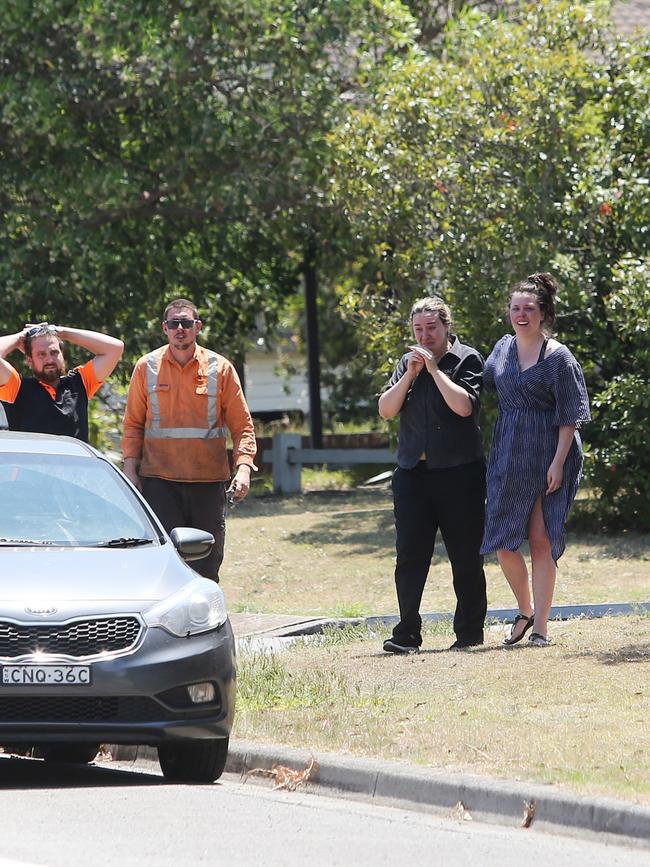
[535,460]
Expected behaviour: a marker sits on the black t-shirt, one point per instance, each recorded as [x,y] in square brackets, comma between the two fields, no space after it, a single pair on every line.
[35,411]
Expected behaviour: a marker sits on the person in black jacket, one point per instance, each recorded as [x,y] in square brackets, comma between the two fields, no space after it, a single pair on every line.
[439,483]
[53,400]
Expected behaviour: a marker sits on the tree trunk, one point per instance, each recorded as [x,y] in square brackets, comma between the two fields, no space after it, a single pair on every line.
[313,346]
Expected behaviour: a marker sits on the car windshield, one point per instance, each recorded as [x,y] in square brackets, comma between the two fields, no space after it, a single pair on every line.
[68,500]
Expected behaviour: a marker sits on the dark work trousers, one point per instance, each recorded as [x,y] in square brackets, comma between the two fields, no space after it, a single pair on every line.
[452,500]
[191,504]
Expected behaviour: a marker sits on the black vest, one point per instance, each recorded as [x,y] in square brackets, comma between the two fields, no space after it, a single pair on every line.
[35,411]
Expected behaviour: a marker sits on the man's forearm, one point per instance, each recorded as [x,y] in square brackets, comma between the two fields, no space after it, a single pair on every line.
[93,341]
[6,371]
[132,442]
[135,416]
[10,342]
[130,470]
[244,446]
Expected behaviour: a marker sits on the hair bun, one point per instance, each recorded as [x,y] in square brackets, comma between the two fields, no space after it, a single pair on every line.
[546,280]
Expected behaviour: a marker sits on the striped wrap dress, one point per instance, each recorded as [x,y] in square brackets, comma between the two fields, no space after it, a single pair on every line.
[533,403]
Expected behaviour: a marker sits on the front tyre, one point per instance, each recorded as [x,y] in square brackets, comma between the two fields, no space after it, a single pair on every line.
[200,761]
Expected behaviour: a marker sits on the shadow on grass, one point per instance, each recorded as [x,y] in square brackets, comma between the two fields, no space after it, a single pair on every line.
[313,501]
[363,518]
[360,533]
[430,651]
[621,655]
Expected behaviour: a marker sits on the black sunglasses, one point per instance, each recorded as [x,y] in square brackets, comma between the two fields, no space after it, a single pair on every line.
[184,323]
[43,328]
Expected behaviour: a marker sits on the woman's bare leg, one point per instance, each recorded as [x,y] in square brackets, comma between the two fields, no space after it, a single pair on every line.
[514,568]
[543,568]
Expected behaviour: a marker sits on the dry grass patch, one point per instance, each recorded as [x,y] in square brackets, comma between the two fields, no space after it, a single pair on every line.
[574,714]
[333,553]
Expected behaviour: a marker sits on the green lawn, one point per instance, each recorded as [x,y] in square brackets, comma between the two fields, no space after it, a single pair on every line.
[332,552]
[574,714]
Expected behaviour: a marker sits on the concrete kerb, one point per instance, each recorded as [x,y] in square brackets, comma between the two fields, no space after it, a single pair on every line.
[482,797]
[485,799]
[247,626]
[558,612]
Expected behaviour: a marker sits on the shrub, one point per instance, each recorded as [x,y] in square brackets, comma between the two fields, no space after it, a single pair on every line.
[618,464]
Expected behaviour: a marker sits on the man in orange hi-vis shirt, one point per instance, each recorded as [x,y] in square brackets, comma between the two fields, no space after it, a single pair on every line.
[182,401]
[53,400]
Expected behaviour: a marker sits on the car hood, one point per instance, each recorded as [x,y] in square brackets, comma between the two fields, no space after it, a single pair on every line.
[93,580]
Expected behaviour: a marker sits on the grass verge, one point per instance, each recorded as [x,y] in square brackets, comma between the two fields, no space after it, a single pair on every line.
[332,553]
[574,714]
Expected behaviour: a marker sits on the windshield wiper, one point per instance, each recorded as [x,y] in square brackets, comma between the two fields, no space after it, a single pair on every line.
[28,542]
[121,542]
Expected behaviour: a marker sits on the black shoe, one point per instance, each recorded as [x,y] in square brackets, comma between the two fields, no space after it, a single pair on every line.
[515,637]
[391,645]
[464,643]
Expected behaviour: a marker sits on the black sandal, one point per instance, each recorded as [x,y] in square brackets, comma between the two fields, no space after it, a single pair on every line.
[536,639]
[529,622]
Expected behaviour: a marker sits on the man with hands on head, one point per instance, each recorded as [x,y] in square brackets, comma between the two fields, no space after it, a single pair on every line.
[182,401]
[440,479]
[53,400]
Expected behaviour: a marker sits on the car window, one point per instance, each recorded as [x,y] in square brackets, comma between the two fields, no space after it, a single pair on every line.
[67,500]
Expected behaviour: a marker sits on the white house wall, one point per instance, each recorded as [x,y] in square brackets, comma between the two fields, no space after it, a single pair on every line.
[266,391]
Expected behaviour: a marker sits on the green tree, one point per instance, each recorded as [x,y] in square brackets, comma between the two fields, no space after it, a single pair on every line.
[521,148]
[149,149]
[606,262]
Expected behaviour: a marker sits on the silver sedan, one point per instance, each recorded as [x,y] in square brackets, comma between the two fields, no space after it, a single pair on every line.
[106,632]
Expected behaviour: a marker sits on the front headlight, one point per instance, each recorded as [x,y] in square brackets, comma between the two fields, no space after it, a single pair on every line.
[199,607]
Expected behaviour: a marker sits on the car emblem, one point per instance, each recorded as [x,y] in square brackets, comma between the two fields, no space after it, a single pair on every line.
[44,611]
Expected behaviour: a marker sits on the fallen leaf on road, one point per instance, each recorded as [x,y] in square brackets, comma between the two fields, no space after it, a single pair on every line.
[460,812]
[529,814]
[287,778]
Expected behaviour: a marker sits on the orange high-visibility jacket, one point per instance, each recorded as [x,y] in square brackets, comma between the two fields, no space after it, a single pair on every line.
[177,418]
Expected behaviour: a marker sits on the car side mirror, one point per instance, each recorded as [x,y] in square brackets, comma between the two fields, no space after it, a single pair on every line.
[192,544]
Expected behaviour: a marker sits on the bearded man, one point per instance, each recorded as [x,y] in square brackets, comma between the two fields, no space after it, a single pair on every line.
[53,400]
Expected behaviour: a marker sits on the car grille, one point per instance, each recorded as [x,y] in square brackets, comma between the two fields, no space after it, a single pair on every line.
[86,709]
[75,638]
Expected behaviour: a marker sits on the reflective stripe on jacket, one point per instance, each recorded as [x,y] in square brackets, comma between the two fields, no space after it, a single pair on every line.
[177,417]
[155,428]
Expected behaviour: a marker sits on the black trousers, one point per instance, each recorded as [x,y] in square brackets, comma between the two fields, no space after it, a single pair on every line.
[191,504]
[453,501]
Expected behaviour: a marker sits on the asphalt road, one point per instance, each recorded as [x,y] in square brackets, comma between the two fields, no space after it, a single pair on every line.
[100,815]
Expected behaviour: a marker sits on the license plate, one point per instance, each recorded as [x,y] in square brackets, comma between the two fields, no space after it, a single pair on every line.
[46,675]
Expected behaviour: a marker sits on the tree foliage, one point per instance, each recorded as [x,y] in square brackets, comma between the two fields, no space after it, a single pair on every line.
[152,149]
[149,149]
[523,147]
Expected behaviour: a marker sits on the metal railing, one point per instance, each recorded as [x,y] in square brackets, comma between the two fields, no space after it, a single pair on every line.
[288,456]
